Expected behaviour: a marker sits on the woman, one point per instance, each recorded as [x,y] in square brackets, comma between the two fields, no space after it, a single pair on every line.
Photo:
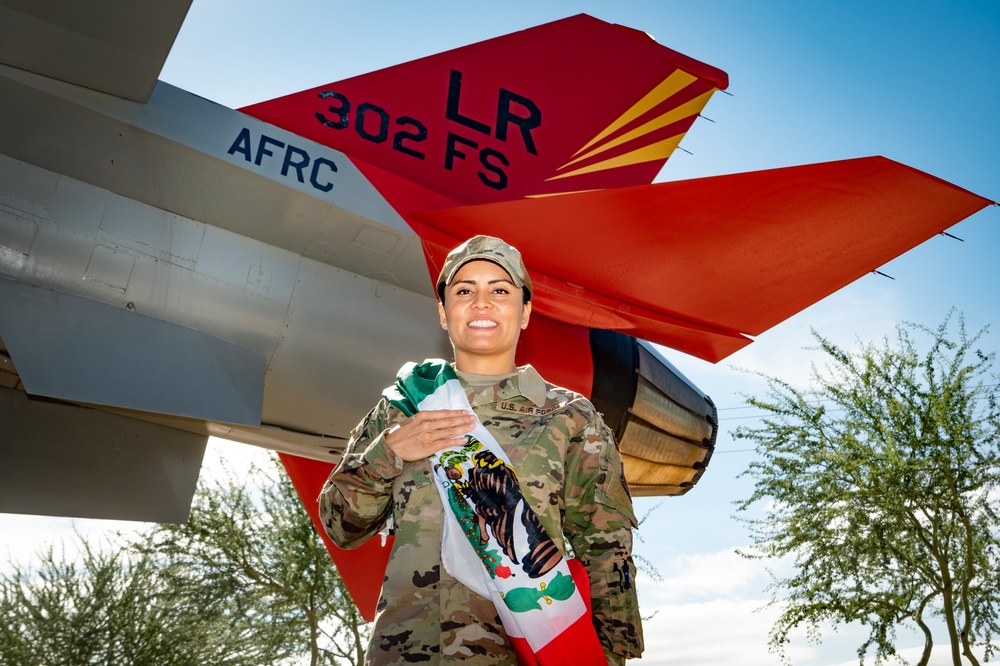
[568,495]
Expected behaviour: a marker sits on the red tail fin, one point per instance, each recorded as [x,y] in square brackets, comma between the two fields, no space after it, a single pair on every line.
[571,105]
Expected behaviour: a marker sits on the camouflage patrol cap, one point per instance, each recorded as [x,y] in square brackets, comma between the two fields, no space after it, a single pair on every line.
[485,248]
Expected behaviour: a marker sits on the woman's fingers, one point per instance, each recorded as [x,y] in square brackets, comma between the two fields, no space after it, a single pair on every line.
[427,432]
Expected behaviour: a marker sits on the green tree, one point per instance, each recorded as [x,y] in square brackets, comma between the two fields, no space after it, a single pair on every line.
[246,582]
[880,484]
[107,606]
[249,552]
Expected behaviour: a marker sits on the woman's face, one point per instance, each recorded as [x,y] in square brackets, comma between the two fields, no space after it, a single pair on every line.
[484,312]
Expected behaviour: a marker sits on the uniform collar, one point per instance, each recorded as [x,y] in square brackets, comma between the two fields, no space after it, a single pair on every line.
[486,389]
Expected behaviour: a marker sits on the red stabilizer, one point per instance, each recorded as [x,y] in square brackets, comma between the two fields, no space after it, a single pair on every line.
[694,265]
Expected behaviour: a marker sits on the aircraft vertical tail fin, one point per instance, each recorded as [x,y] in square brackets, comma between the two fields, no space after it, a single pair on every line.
[576,104]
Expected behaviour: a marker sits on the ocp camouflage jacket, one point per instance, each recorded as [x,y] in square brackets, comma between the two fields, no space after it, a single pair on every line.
[569,470]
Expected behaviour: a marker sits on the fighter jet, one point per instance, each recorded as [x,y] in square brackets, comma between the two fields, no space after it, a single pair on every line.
[171,269]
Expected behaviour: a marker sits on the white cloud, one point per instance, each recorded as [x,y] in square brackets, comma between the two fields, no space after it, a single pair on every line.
[704,576]
[711,609]
[720,631]
[23,538]
[707,609]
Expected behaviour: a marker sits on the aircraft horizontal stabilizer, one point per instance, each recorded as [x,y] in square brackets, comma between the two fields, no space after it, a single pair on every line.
[698,265]
[82,350]
[65,460]
[114,47]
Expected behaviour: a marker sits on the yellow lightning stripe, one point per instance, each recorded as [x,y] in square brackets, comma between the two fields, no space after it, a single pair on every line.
[671,85]
[689,108]
[656,151]
[559,194]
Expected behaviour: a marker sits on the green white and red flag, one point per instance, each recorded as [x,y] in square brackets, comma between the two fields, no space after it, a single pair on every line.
[493,542]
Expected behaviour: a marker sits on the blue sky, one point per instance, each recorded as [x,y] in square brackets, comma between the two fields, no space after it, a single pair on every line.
[915,81]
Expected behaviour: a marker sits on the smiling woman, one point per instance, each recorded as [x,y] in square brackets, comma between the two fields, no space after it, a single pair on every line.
[504,474]
[484,311]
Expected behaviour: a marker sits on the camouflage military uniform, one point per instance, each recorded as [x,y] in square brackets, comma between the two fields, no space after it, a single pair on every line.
[569,471]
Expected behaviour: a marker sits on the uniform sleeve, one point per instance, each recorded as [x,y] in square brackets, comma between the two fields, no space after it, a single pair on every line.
[356,499]
[599,523]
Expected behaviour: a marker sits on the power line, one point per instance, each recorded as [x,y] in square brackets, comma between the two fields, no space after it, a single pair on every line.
[811,402]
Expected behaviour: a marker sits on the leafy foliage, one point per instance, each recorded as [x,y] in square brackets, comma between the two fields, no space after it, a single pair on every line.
[246,582]
[250,553]
[882,485]
[109,606]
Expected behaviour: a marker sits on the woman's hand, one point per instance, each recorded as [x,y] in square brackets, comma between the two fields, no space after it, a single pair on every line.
[427,432]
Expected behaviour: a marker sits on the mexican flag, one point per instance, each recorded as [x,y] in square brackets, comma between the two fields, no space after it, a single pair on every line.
[493,541]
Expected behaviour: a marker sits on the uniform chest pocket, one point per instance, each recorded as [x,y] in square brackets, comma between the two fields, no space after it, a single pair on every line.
[531,444]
